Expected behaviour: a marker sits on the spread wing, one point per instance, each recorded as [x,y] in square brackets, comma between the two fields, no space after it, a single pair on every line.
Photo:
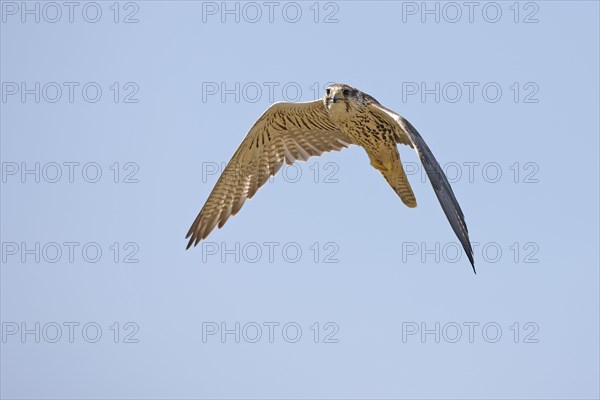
[436,175]
[286,132]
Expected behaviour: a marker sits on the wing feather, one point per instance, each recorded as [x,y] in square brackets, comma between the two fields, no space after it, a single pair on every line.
[286,132]
[410,136]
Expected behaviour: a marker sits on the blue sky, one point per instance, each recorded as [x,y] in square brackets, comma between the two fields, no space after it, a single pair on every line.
[117,119]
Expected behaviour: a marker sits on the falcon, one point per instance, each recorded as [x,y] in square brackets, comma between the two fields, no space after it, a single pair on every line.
[345,116]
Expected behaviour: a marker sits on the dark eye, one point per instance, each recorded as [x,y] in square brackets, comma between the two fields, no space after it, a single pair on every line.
[346,92]
[328,91]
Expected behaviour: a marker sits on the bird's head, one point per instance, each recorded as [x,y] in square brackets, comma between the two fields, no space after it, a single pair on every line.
[340,97]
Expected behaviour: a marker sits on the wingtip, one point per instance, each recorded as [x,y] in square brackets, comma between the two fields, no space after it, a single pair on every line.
[191,241]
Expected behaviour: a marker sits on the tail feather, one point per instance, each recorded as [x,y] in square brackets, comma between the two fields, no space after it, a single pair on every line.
[387,161]
[399,182]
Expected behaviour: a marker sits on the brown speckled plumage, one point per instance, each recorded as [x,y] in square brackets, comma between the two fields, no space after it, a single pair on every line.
[287,132]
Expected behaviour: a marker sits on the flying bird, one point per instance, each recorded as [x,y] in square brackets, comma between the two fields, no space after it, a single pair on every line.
[345,116]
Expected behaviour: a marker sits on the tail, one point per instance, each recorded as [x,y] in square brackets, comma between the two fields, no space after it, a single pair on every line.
[399,182]
[391,168]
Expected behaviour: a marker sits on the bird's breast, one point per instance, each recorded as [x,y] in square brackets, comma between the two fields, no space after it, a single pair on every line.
[366,130]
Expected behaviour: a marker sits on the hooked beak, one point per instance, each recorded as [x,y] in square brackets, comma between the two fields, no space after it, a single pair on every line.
[335,97]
